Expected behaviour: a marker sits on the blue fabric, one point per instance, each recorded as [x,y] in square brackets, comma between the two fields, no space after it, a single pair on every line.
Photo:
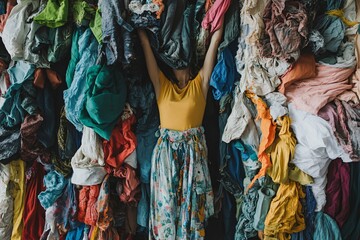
[143,208]
[224,74]
[74,96]
[326,227]
[77,233]
[229,215]
[55,184]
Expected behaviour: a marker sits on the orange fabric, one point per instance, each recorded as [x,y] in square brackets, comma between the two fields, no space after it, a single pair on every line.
[268,129]
[161,8]
[41,74]
[87,204]
[181,108]
[303,68]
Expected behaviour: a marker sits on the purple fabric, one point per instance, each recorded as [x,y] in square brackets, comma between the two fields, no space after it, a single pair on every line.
[338,191]
[334,113]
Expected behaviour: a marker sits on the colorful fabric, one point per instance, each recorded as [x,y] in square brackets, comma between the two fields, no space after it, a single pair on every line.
[181,199]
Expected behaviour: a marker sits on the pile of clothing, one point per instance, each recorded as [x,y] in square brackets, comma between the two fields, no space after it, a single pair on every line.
[78,115]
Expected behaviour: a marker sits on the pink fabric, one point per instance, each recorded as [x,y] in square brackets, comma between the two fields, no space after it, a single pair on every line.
[213,17]
[312,94]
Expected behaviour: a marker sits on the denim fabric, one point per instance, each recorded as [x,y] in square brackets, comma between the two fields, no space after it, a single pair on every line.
[180,24]
[83,55]
[224,74]
[116,39]
[143,208]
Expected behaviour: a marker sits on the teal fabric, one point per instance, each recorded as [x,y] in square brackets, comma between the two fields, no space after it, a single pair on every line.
[55,14]
[263,205]
[326,227]
[105,99]
[75,57]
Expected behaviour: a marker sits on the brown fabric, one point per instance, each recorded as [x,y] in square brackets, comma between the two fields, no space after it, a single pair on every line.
[285,29]
[41,74]
[303,68]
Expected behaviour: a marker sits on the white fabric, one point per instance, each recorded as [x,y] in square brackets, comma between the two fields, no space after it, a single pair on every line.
[131,160]
[6,203]
[88,176]
[135,6]
[316,147]
[19,32]
[240,123]
[277,103]
[90,153]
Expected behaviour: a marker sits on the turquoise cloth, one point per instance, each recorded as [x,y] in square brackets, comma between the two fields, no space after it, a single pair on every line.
[105,99]
[326,228]
[55,184]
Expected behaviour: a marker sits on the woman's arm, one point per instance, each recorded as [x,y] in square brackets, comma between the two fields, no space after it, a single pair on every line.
[210,57]
[150,60]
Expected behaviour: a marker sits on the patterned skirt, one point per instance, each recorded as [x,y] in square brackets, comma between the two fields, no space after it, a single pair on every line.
[181,197]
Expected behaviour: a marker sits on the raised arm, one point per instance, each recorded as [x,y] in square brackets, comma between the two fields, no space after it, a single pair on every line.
[210,57]
[150,60]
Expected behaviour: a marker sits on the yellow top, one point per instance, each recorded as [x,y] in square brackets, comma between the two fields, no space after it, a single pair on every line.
[181,108]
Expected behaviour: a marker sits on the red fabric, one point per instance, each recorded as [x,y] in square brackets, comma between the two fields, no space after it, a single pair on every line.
[338,191]
[130,186]
[34,213]
[121,144]
[214,16]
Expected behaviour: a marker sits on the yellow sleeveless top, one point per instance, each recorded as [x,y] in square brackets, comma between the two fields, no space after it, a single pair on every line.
[181,108]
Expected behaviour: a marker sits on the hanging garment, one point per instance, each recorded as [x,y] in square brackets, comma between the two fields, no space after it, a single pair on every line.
[181,199]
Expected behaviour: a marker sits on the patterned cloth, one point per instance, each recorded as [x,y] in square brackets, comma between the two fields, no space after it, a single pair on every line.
[181,198]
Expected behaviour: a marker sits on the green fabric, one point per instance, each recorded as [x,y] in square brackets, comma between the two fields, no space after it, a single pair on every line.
[86,15]
[60,42]
[75,57]
[105,99]
[55,14]
[95,26]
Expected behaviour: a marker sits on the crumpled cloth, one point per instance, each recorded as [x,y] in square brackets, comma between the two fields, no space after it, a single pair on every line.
[105,99]
[54,15]
[213,17]
[105,215]
[31,148]
[285,214]
[240,123]
[303,68]
[7,203]
[353,119]
[335,114]
[277,103]
[258,74]
[268,129]
[312,94]
[129,188]
[316,147]
[338,192]
[121,143]
[34,213]
[84,50]
[326,227]
[43,74]
[91,152]
[10,4]
[55,184]
[285,29]
[10,143]
[87,212]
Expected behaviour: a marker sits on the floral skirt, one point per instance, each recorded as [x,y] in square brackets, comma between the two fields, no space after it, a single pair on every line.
[181,197]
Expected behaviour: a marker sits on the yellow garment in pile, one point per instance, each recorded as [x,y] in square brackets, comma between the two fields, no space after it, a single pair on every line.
[181,108]
[17,181]
[281,152]
[285,213]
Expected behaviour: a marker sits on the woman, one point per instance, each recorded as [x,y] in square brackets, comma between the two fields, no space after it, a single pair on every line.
[181,198]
